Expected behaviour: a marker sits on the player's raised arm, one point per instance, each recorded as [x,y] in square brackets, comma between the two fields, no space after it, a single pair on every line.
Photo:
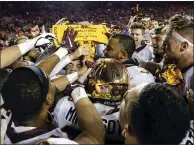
[89,118]
[62,81]
[11,54]
[49,63]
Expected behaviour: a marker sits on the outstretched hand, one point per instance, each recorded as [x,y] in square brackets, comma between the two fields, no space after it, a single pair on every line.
[86,65]
[80,51]
[85,23]
[68,39]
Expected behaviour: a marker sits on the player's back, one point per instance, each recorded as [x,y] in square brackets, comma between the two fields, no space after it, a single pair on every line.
[31,135]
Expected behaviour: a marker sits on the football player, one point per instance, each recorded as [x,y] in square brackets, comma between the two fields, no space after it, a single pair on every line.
[154,114]
[107,83]
[143,49]
[32,95]
[121,47]
[179,47]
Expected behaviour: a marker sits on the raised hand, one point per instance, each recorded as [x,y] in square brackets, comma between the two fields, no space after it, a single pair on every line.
[85,70]
[85,24]
[80,51]
[68,39]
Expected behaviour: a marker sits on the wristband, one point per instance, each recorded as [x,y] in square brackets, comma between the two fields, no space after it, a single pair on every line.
[26,46]
[72,77]
[61,52]
[78,93]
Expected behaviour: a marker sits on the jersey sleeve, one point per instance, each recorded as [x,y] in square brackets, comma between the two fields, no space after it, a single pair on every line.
[139,75]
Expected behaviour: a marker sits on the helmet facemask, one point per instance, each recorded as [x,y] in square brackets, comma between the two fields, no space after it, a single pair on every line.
[108,80]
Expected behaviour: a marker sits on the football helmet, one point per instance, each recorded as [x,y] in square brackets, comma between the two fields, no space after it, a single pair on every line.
[108,81]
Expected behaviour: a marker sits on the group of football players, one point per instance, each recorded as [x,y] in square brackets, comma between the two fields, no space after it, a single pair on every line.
[138,89]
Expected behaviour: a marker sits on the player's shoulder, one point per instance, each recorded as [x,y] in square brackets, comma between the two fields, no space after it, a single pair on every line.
[63,104]
[66,102]
[57,141]
[135,67]
[139,75]
[103,109]
[137,70]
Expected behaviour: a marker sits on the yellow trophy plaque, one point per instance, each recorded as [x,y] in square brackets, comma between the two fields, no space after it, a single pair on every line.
[86,36]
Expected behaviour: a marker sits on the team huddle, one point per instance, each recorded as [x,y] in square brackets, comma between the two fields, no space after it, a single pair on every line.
[137,90]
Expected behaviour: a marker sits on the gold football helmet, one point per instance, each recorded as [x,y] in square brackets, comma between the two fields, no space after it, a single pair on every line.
[108,81]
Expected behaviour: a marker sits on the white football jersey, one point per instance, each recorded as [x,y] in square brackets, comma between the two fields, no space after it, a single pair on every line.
[65,114]
[31,135]
[11,134]
[5,119]
[147,53]
[139,75]
[189,139]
